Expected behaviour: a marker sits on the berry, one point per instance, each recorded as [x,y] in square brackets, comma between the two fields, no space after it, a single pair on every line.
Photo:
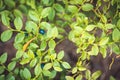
[42,31]
[42,65]
[35,54]
[26,34]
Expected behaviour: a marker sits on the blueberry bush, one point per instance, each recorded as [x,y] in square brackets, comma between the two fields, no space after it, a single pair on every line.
[38,26]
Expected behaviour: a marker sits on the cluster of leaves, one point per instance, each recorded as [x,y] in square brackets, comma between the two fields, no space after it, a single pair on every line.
[95,26]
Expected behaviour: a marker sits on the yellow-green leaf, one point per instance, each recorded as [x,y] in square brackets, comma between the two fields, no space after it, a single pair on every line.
[60,55]
[96,75]
[104,41]
[74,70]
[69,78]
[47,66]
[57,69]
[94,50]
[66,65]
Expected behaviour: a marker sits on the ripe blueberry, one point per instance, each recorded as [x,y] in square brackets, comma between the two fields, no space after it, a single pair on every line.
[42,65]
[42,31]
[35,54]
[26,34]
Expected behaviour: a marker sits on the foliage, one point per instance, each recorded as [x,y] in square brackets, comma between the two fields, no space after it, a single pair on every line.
[46,20]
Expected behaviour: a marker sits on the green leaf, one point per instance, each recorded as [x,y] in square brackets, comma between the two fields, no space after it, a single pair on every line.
[19,54]
[30,54]
[23,8]
[11,65]
[51,14]
[34,15]
[103,51]
[21,73]
[24,61]
[87,7]
[57,69]
[104,41]
[1,4]
[112,78]
[74,70]
[31,27]
[79,77]
[60,55]
[45,2]
[53,33]
[46,72]
[2,69]
[18,23]
[53,55]
[6,35]
[5,19]
[37,70]
[19,37]
[39,52]
[90,27]
[116,49]
[33,62]
[69,78]
[45,12]
[104,19]
[77,30]
[33,45]
[83,55]
[26,74]
[71,36]
[53,74]
[66,65]
[31,3]
[81,68]
[2,77]
[18,46]
[47,66]
[3,58]
[72,9]
[43,45]
[88,75]
[18,13]
[51,44]
[45,25]
[58,7]
[109,26]
[95,50]
[76,2]
[118,23]
[56,64]
[16,71]
[116,35]
[10,3]
[91,39]
[11,78]
[96,75]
